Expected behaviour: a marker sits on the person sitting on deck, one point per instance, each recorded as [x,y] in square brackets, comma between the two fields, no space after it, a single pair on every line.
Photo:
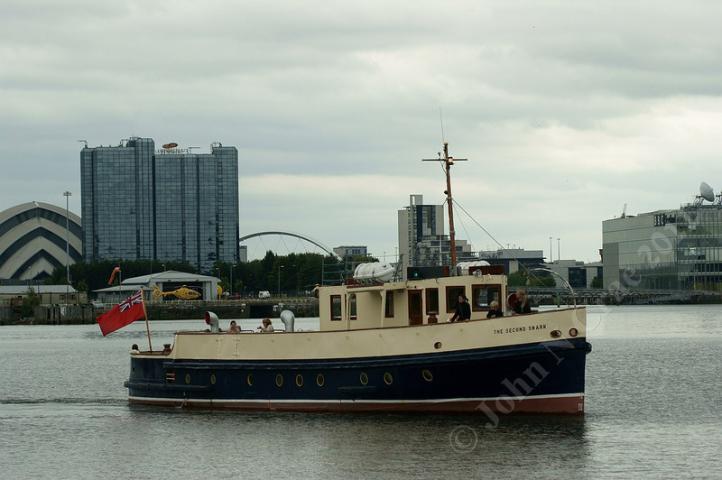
[234,328]
[521,305]
[494,310]
[463,310]
[266,326]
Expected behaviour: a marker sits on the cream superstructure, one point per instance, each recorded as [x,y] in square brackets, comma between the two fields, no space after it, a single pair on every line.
[391,320]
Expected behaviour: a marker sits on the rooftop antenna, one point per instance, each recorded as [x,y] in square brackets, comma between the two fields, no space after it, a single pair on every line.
[85,142]
[624,211]
[446,163]
[705,193]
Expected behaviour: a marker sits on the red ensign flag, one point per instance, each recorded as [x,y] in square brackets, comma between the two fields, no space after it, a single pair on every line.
[125,313]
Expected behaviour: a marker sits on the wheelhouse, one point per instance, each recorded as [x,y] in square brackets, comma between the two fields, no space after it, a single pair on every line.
[409,303]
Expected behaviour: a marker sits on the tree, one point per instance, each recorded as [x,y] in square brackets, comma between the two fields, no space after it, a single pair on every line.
[516,279]
[82,286]
[523,278]
[94,275]
[30,301]
[299,272]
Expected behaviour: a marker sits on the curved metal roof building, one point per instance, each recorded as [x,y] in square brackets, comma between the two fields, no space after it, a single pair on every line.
[32,240]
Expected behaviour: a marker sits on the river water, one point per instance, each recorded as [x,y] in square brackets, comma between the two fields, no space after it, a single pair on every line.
[654,410]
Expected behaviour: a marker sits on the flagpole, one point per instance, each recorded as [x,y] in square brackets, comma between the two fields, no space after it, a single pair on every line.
[145,314]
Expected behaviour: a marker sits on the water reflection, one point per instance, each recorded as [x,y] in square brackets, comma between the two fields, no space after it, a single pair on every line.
[388,446]
[653,409]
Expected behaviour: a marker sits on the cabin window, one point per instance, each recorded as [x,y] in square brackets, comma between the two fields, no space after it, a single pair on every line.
[389,312]
[483,295]
[352,306]
[432,300]
[452,297]
[335,307]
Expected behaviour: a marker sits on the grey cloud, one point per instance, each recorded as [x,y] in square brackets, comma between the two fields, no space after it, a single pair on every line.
[562,100]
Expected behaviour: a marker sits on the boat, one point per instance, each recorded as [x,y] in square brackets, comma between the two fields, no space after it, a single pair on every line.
[383,346]
[374,272]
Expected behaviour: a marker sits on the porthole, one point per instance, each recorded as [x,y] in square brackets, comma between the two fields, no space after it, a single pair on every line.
[363,378]
[388,378]
[249,379]
[427,375]
[279,380]
[437,345]
[188,378]
[213,378]
[299,380]
[320,381]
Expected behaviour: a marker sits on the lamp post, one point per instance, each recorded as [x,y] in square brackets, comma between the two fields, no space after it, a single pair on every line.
[551,252]
[67,195]
[279,279]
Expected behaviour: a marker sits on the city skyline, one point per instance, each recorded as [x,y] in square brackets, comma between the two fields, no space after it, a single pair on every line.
[563,123]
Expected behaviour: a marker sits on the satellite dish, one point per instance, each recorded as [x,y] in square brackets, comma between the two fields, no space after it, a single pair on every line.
[706,192]
[168,146]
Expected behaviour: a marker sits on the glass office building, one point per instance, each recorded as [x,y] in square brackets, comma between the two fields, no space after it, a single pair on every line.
[667,249]
[171,204]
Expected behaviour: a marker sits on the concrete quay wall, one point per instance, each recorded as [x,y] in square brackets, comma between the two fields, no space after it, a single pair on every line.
[86,314]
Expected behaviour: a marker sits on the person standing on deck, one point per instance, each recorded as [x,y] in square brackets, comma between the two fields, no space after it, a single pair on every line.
[463,310]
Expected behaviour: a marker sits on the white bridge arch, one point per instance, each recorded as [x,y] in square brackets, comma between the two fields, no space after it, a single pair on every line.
[291,234]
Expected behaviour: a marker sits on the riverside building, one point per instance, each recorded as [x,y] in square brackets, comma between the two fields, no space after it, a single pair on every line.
[35,239]
[666,249]
[422,242]
[167,204]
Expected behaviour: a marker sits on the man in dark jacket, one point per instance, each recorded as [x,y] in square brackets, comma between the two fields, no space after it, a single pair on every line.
[463,310]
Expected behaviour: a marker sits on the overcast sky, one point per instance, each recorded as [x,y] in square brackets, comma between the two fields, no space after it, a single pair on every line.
[566,110]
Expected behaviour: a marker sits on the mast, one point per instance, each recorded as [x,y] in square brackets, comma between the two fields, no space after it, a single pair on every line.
[448,162]
[446,165]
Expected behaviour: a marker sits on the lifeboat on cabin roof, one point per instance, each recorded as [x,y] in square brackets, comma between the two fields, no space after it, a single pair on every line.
[374,272]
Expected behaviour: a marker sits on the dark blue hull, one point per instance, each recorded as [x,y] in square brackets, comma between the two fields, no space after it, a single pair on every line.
[540,377]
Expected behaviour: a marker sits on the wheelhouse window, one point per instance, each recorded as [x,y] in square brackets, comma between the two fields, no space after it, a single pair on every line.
[335,307]
[452,297]
[352,306]
[432,300]
[389,312]
[483,295]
